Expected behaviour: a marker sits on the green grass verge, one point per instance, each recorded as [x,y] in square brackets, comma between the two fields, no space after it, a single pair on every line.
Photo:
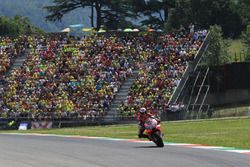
[236,50]
[217,132]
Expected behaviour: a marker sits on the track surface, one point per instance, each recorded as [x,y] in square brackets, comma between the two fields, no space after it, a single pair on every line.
[40,151]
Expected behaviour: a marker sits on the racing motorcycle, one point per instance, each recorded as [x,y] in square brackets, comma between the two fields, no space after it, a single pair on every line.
[153,130]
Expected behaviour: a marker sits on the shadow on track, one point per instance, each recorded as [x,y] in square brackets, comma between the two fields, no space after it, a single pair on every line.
[147,147]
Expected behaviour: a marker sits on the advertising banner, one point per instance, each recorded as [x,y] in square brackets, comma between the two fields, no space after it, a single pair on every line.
[41,125]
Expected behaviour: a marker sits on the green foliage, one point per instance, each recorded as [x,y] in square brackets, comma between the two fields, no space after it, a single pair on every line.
[204,13]
[110,13]
[231,15]
[217,53]
[169,25]
[246,41]
[237,50]
[152,11]
[180,15]
[115,14]
[33,9]
[16,26]
[156,12]
[242,7]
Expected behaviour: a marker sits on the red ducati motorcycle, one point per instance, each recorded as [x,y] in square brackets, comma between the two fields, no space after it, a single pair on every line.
[153,130]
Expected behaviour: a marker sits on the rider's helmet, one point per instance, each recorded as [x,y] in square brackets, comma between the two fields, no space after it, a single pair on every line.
[143,110]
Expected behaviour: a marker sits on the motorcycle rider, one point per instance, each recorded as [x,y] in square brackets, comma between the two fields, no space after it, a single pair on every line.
[142,116]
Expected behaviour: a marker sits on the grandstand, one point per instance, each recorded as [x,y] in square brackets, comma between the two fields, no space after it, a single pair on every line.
[102,78]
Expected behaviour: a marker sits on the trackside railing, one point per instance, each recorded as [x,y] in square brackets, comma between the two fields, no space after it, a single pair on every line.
[190,68]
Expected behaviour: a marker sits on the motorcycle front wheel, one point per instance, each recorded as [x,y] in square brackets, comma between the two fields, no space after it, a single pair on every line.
[158,139]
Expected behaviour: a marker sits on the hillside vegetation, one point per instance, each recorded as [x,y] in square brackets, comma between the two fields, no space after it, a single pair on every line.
[33,9]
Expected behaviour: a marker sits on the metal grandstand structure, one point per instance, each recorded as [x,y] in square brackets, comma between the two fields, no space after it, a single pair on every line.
[194,86]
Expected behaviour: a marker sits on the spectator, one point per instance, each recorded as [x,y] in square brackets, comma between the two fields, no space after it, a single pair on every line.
[64,77]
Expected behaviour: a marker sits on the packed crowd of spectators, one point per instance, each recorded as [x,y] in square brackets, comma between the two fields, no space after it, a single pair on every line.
[69,78]
[9,50]
[64,77]
[162,71]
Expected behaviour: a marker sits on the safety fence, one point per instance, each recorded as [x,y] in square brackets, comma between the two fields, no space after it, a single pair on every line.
[46,123]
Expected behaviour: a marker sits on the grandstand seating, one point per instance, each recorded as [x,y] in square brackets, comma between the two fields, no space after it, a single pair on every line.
[9,50]
[67,78]
[162,72]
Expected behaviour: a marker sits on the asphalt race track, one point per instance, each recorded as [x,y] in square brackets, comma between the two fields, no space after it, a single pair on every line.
[41,151]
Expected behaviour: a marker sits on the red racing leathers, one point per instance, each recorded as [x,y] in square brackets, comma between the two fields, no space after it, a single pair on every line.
[142,118]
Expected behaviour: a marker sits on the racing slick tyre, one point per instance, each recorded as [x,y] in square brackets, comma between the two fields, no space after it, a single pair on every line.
[158,139]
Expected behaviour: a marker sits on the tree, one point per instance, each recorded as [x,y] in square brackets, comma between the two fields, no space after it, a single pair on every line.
[62,7]
[217,51]
[242,7]
[216,54]
[16,26]
[107,11]
[179,15]
[156,11]
[116,13]
[246,41]
[204,13]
